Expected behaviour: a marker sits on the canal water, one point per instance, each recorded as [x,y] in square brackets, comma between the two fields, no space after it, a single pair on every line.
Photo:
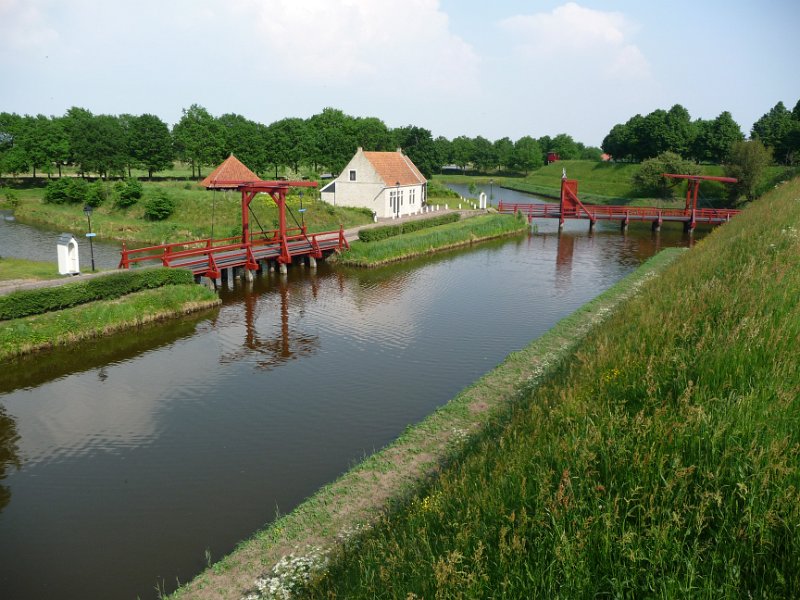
[127,463]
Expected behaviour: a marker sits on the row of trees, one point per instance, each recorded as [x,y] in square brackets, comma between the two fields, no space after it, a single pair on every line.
[113,145]
[702,140]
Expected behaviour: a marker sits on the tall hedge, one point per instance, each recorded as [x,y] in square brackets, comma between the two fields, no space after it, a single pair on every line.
[25,303]
[375,234]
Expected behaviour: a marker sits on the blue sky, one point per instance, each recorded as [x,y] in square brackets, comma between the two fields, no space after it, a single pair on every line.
[456,67]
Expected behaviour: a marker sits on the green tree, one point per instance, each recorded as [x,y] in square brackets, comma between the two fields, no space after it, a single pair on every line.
[680,131]
[333,138]
[504,152]
[747,162]
[150,143]
[372,134]
[527,154]
[774,130]
[483,154]
[564,146]
[444,150]
[461,149]
[713,139]
[289,143]
[417,143]
[649,178]
[199,139]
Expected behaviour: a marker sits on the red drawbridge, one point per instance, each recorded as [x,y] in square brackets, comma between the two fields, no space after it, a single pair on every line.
[571,207]
[208,257]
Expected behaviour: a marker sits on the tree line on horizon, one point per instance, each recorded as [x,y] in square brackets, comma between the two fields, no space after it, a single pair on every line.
[703,140]
[113,145]
[109,145]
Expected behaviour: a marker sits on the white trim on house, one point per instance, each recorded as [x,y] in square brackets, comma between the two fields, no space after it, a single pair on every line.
[387,183]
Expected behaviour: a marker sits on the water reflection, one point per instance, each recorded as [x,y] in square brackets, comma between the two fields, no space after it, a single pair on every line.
[34,370]
[269,351]
[9,456]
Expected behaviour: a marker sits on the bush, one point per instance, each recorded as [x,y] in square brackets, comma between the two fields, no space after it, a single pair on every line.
[66,190]
[159,206]
[96,194]
[649,178]
[33,302]
[375,234]
[128,192]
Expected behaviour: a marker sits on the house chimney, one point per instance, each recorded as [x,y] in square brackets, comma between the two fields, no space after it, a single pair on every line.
[360,149]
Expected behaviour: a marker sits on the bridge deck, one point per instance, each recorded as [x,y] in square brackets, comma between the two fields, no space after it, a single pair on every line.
[593,212]
[207,257]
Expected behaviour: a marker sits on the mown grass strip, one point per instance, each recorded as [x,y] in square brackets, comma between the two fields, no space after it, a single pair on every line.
[29,334]
[418,243]
[661,460]
[284,553]
[23,269]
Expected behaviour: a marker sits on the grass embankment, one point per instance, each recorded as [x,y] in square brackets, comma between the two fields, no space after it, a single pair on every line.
[282,556]
[196,211]
[22,269]
[29,334]
[606,182]
[418,243]
[662,460]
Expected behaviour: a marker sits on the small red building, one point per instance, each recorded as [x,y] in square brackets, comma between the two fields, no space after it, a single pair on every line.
[552,157]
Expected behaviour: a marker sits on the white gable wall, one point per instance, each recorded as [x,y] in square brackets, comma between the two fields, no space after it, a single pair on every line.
[371,192]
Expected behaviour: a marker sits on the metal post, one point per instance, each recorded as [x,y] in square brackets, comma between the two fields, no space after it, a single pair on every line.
[87,210]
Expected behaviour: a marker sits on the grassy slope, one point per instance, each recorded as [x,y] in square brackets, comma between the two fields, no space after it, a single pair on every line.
[195,211]
[425,241]
[602,183]
[663,460]
[351,504]
[21,336]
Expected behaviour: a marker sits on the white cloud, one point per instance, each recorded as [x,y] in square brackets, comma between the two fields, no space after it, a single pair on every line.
[380,43]
[573,35]
[25,27]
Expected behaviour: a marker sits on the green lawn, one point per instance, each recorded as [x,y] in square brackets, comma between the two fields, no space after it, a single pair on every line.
[197,211]
[20,268]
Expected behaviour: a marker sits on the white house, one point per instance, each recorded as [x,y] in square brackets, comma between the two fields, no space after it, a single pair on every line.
[387,183]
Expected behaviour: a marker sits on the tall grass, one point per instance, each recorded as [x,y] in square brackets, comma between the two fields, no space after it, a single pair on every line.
[661,460]
[421,242]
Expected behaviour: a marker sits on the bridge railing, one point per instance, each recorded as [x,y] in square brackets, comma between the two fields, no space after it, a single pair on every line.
[203,250]
[596,211]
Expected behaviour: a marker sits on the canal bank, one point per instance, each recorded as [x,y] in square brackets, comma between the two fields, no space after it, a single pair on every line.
[283,554]
[203,428]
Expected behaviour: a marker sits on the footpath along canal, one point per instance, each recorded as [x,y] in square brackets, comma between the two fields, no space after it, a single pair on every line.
[129,463]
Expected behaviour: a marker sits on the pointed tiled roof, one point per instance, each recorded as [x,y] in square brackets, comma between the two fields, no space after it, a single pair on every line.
[229,175]
[394,167]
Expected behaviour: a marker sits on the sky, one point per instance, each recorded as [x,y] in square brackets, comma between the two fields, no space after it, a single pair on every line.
[500,68]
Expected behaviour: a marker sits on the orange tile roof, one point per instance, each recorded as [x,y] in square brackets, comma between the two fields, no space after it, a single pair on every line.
[230,174]
[394,167]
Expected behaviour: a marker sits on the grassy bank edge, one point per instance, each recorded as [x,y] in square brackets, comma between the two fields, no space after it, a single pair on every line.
[414,249]
[69,326]
[353,502]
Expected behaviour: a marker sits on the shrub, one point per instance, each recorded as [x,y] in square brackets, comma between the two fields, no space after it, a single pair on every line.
[33,302]
[96,194]
[158,206]
[374,234]
[649,180]
[128,192]
[66,190]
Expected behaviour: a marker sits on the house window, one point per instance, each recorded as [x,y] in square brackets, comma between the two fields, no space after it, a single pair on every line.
[352,175]
[412,196]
